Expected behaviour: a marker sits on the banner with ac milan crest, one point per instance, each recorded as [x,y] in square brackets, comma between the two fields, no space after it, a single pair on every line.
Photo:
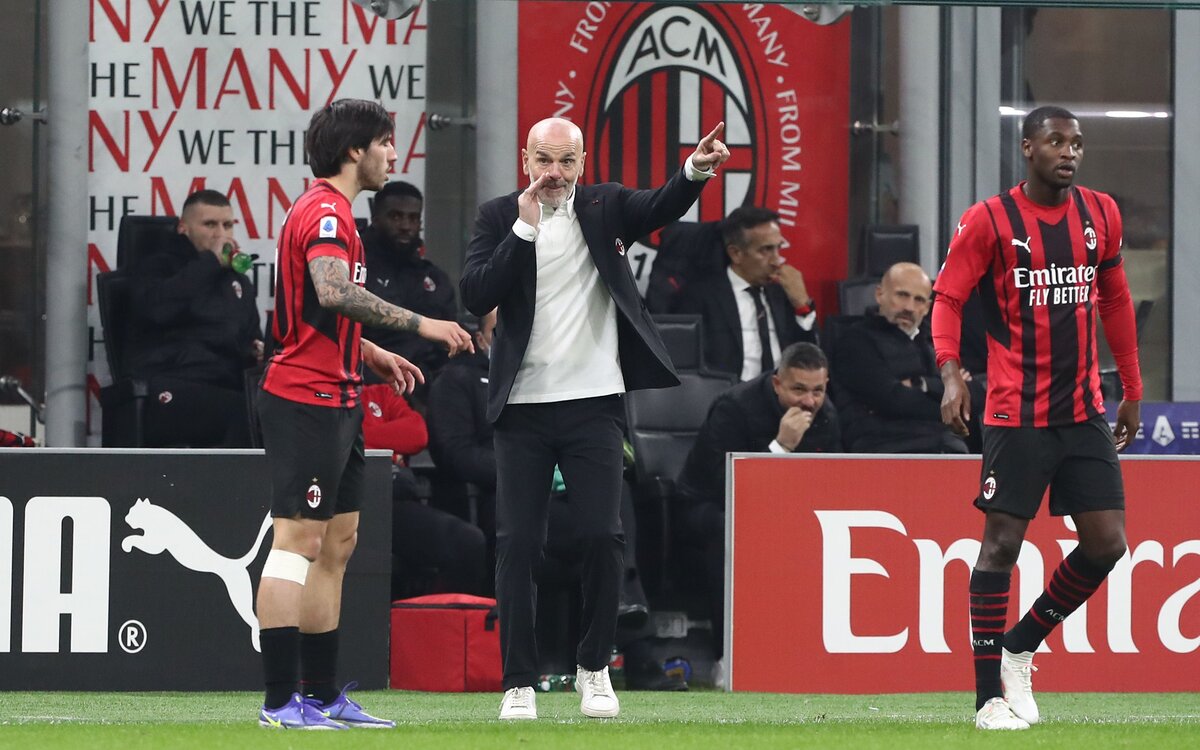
[645,81]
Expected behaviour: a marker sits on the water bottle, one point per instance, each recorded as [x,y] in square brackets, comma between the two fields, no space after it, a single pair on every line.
[555,683]
[237,260]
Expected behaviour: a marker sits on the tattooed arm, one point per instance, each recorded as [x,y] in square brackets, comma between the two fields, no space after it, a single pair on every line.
[335,291]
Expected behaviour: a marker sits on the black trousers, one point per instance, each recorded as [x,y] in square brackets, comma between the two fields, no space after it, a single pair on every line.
[583,437]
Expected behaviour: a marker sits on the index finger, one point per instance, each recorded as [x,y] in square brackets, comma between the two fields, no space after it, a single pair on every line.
[715,132]
[533,186]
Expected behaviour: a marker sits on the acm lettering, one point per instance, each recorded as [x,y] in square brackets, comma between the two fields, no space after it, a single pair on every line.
[703,50]
[43,598]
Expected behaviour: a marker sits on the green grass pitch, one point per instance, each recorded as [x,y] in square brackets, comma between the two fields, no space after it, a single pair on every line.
[657,721]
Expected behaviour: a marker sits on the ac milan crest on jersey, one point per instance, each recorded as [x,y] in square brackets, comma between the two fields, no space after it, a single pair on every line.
[429,285]
[313,496]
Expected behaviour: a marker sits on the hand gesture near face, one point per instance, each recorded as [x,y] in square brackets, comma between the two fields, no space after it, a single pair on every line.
[710,153]
[529,202]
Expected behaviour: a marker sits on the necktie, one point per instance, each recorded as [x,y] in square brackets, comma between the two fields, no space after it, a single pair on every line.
[764,332]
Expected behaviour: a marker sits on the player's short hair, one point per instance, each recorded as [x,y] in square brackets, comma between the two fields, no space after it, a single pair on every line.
[398,189]
[340,126]
[802,356]
[733,228]
[204,198]
[1034,121]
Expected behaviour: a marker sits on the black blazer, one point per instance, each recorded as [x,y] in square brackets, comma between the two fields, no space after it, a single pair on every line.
[500,271]
[712,299]
[745,419]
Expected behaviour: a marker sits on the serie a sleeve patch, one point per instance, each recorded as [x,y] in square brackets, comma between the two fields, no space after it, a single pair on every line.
[327,227]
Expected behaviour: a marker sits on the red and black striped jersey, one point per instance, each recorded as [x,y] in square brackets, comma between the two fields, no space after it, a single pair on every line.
[1041,272]
[319,359]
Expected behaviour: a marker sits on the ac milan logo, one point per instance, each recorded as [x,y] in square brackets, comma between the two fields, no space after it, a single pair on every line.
[1089,237]
[237,288]
[375,410]
[989,488]
[646,81]
[671,77]
[313,497]
[429,284]
[165,397]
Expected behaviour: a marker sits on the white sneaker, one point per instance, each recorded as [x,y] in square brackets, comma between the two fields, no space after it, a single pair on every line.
[598,699]
[997,714]
[1016,677]
[519,703]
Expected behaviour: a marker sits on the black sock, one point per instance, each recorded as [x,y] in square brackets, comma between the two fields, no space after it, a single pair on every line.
[318,665]
[989,612]
[1074,580]
[281,664]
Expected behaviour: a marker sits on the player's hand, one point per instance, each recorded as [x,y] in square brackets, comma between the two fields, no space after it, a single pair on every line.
[710,153]
[1129,416]
[956,401]
[529,202]
[447,332]
[792,426]
[393,369]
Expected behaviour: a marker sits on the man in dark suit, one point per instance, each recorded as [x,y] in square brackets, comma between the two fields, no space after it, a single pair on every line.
[889,387]
[758,306]
[782,411]
[573,334]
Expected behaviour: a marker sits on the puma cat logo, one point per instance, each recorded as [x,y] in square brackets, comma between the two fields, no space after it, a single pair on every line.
[1025,244]
[163,530]
[330,206]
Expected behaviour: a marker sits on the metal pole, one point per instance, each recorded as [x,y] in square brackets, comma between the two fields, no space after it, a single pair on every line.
[919,130]
[65,223]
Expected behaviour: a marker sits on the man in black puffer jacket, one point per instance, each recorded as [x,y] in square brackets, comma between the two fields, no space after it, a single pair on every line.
[194,332]
[889,390]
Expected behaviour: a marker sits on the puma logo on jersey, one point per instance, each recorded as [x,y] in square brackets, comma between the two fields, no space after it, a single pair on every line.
[330,206]
[1025,244]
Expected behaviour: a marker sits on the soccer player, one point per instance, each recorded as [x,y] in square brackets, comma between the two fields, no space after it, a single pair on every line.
[1044,256]
[311,415]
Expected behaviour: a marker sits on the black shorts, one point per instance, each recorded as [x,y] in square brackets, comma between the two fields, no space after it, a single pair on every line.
[315,456]
[1077,462]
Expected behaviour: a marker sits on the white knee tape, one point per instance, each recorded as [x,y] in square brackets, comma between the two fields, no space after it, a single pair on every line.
[287,566]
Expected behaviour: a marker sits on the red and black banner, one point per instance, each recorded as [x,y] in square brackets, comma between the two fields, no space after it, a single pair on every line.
[646,81]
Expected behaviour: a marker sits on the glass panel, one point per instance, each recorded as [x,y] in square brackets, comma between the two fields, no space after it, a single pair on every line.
[1065,56]
[20,355]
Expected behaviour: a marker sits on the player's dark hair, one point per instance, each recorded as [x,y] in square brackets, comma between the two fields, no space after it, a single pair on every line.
[399,189]
[1037,118]
[204,198]
[340,126]
[733,228]
[802,356]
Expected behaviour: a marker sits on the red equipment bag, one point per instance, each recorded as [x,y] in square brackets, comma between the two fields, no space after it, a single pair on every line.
[448,643]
